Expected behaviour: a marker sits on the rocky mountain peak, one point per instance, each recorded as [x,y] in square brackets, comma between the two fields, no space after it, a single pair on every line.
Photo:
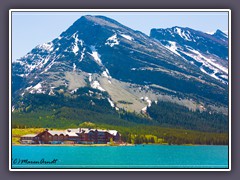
[221,36]
[100,53]
[219,32]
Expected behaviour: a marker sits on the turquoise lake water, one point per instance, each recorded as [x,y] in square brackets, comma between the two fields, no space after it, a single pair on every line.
[139,156]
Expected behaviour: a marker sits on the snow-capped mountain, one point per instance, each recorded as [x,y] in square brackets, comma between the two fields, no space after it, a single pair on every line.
[209,52]
[134,69]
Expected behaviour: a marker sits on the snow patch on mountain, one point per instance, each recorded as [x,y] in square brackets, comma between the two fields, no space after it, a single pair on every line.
[95,55]
[112,41]
[144,109]
[44,61]
[210,32]
[90,77]
[186,36]
[211,74]
[74,67]
[21,75]
[28,88]
[183,35]
[46,46]
[173,47]
[106,74]
[82,54]
[35,89]
[110,102]
[51,93]
[224,76]
[96,85]
[148,101]
[210,61]
[38,86]
[30,67]
[75,47]
[127,37]
[48,67]
[73,91]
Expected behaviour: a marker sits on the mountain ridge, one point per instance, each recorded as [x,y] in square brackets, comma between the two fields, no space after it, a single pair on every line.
[206,51]
[101,53]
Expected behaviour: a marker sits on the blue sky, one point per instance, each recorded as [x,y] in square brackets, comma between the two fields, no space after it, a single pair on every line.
[30,29]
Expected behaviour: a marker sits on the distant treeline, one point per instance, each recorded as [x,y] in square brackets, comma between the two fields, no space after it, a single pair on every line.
[164,122]
[169,114]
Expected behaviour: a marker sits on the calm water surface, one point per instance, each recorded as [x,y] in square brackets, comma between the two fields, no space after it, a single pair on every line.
[147,156]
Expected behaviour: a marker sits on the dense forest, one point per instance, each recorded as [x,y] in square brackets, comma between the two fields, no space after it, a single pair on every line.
[169,114]
[164,122]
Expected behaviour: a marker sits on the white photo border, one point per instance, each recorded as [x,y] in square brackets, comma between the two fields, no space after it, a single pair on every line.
[118,10]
